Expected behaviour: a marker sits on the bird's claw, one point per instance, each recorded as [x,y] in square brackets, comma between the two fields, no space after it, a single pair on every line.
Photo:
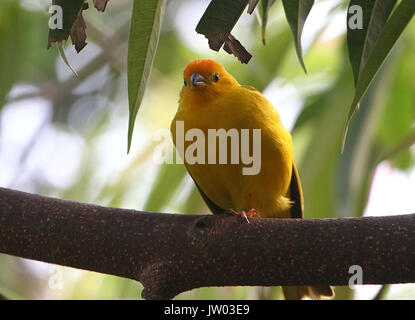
[242,213]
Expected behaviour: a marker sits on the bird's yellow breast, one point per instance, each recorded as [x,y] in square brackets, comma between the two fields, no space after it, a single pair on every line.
[240,108]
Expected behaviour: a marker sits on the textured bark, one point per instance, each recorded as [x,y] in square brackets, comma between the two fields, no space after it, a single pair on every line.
[172,253]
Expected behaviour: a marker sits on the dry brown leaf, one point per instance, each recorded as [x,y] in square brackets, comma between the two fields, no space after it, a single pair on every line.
[216,40]
[78,34]
[231,45]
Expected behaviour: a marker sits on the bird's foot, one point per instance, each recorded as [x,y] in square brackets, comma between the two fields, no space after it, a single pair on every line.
[242,213]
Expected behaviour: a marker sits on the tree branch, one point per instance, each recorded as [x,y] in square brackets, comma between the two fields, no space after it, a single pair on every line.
[172,253]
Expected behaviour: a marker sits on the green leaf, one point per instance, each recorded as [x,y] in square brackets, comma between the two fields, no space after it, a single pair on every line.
[386,41]
[221,16]
[317,163]
[251,5]
[395,131]
[70,12]
[142,45]
[296,12]
[64,58]
[361,41]
[356,165]
[217,23]
[265,7]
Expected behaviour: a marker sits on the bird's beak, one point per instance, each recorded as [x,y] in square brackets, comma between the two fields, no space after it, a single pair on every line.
[196,79]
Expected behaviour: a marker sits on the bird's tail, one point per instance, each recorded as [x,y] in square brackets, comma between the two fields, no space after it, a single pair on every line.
[300,292]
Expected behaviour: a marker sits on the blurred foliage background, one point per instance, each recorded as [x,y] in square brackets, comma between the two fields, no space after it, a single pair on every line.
[66,137]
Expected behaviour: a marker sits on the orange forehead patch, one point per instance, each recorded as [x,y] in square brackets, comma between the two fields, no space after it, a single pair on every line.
[202,66]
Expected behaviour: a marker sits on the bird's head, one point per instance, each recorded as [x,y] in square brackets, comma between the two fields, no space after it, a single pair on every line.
[206,78]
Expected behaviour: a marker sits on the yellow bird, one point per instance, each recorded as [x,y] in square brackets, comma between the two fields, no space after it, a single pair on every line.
[212,99]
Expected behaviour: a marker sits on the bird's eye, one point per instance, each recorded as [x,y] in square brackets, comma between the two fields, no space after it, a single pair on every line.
[185,82]
[216,77]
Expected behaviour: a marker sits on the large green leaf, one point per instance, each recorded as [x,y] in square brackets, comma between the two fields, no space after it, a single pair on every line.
[221,16]
[296,12]
[358,161]
[251,5]
[142,44]
[391,32]
[395,130]
[217,23]
[374,14]
[264,12]
[317,164]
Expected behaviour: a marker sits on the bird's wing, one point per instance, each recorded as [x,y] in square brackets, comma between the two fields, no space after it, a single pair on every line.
[295,191]
[211,205]
[296,194]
